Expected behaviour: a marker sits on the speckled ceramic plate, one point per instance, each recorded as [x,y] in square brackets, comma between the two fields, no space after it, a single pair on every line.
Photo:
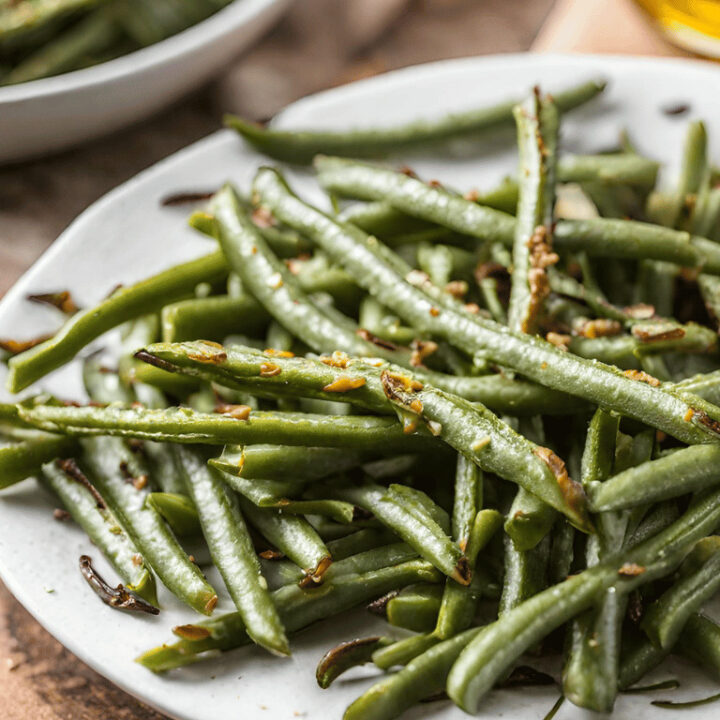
[128,235]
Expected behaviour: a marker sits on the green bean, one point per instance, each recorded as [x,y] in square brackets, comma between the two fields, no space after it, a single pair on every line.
[345,656]
[293,536]
[124,304]
[700,641]
[358,542]
[240,371]
[178,511]
[416,608]
[212,318]
[467,499]
[490,655]
[665,618]
[232,551]
[272,284]
[590,675]
[376,320]
[275,494]
[403,651]
[109,464]
[537,128]
[599,451]
[599,237]
[99,523]
[183,425]
[459,603]
[380,389]
[525,573]
[19,460]
[379,218]
[618,168]
[562,551]
[529,520]
[277,461]
[427,538]
[422,677]
[301,146]
[534,358]
[283,572]
[639,657]
[419,504]
[297,607]
[685,471]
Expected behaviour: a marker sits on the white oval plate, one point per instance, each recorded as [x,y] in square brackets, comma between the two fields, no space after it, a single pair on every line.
[127,235]
[50,114]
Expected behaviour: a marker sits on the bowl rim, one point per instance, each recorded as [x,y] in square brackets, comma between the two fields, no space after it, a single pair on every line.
[219,25]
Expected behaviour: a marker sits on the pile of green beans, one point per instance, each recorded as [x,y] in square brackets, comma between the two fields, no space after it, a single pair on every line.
[435,403]
[40,38]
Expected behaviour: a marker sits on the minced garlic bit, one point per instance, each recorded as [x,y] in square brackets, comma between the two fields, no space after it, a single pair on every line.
[269,370]
[417,277]
[344,384]
[457,288]
[642,376]
[631,570]
[434,311]
[599,327]
[239,412]
[480,443]
[434,427]
[262,217]
[689,415]
[338,359]
[558,340]
[420,350]
[140,482]
[275,281]
[272,352]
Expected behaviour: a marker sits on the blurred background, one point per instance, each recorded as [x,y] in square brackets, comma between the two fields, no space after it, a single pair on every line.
[317,45]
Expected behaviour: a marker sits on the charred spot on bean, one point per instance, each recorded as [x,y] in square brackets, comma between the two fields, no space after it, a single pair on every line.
[62,300]
[118,597]
[151,359]
[186,197]
[375,340]
[73,471]
[193,633]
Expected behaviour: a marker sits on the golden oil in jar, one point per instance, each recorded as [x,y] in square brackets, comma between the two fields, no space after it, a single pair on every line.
[691,24]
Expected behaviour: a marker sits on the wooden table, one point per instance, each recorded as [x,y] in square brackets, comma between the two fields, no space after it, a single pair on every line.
[321,43]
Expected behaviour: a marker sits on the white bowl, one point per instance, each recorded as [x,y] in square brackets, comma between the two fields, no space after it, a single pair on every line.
[54,113]
[128,235]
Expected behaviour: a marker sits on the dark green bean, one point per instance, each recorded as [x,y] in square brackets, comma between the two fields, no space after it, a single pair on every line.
[416,608]
[124,304]
[665,618]
[183,425]
[102,528]
[301,146]
[403,651]
[685,471]
[427,538]
[19,460]
[537,128]
[232,551]
[178,511]
[110,464]
[212,318]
